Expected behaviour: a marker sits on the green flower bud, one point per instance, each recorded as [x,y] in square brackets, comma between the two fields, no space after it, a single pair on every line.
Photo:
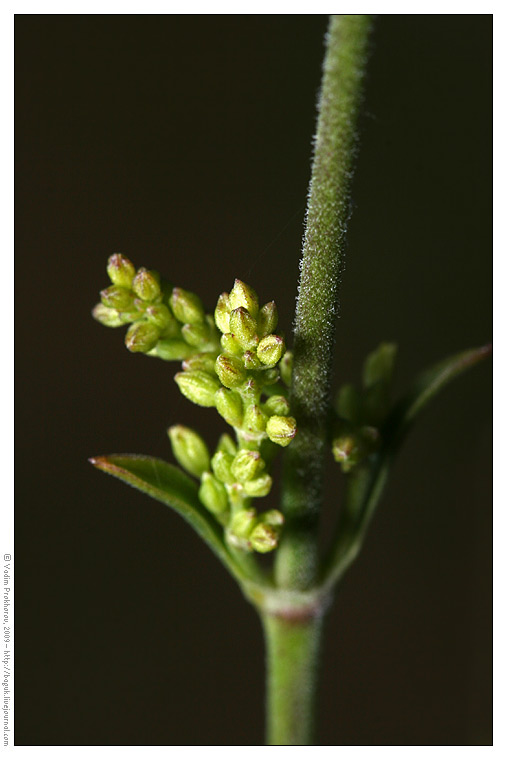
[186,306]
[221,465]
[244,327]
[276,405]
[118,298]
[229,406]
[242,523]
[348,450]
[250,361]
[273,517]
[197,335]
[106,316]
[348,403]
[264,538]
[189,449]
[230,371]
[160,316]
[281,429]
[141,337]
[286,368]
[121,271]
[172,349]
[259,486]
[198,386]
[203,361]
[270,376]
[225,443]
[231,345]
[255,420]
[247,465]
[213,494]
[379,365]
[146,285]
[245,296]
[270,350]
[267,319]
[222,312]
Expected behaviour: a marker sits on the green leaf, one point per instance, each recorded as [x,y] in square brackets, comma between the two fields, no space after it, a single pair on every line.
[173,488]
[365,485]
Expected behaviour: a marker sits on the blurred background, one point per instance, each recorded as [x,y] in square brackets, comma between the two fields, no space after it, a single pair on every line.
[184,142]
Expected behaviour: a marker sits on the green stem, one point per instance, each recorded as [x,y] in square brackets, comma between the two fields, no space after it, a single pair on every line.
[293,647]
[326,222]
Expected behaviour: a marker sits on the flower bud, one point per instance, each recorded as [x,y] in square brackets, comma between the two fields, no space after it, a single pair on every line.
[264,538]
[204,361]
[230,371]
[225,443]
[270,376]
[245,296]
[348,403]
[106,316]
[118,298]
[254,421]
[121,271]
[229,406]
[141,337]
[242,523]
[259,486]
[197,335]
[186,306]
[247,465]
[221,466]
[146,285]
[172,349]
[379,365]
[189,449]
[231,345]
[281,429]
[222,312]
[273,517]
[270,350]
[286,368]
[198,386]
[250,361]
[160,316]
[267,319]
[347,450]
[213,494]
[276,405]
[244,327]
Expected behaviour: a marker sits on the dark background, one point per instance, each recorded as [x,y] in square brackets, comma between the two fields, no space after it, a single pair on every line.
[184,142]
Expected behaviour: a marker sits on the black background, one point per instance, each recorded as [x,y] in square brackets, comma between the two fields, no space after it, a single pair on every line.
[184,142]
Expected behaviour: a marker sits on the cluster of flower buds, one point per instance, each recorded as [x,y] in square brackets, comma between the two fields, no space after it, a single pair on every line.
[232,362]
[362,412]
[166,322]
[229,480]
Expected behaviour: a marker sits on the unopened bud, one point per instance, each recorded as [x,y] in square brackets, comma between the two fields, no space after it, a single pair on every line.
[270,376]
[230,345]
[286,368]
[225,443]
[250,361]
[197,335]
[259,486]
[213,494]
[267,319]
[264,538]
[277,405]
[348,403]
[118,298]
[198,386]
[347,450]
[146,285]
[230,371]
[221,466]
[141,337]
[189,450]
[255,420]
[245,296]
[186,306]
[106,316]
[172,349]
[270,350]
[121,271]
[242,523]
[159,315]
[379,365]
[222,312]
[247,465]
[229,406]
[273,517]
[281,429]
[244,327]
[203,361]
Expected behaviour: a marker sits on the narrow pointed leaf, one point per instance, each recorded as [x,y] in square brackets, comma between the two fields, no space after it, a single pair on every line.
[173,488]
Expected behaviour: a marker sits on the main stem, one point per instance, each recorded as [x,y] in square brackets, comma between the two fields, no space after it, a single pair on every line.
[292,640]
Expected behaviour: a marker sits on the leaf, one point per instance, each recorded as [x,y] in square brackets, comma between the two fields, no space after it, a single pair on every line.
[365,485]
[173,488]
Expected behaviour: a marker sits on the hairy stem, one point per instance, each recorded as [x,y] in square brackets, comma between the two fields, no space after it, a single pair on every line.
[314,328]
